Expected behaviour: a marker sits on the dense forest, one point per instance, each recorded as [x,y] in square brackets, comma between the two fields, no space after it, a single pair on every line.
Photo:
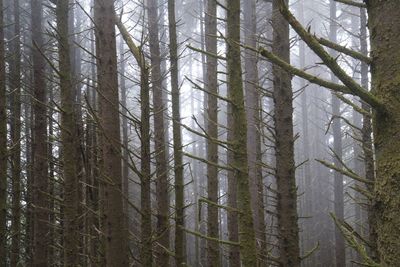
[200,133]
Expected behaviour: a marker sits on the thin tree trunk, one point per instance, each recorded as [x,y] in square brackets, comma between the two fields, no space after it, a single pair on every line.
[162,196]
[284,147]
[40,164]
[337,149]
[3,148]
[253,126]
[211,122]
[69,139]
[177,137]
[239,136]
[16,142]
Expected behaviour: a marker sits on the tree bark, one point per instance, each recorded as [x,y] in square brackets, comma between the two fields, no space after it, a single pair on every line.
[383,17]
[239,136]
[3,147]
[162,196]
[284,146]
[211,122]
[177,137]
[114,230]
[40,164]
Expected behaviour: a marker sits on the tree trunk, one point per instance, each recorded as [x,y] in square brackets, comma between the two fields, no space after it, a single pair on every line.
[383,17]
[340,252]
[15,128]
[162,196]
[211,84]
[284,146]
[239,136]
[68,138]
[3,147]
[177,137]
[40,164]
[116,245]
[253,125]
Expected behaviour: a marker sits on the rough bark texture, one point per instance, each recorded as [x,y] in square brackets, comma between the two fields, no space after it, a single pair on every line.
[367,145]
[177,137]
[68,138]
[253,101]
[284,146]
[3,147]
[40,164]
[115,234]
[384,17]
[15,83]
[213,258]
[239,136]
[162,196]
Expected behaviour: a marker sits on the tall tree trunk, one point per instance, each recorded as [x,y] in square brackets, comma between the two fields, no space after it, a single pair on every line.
[162,196]
[253,125]
[284,146]
[337,149]
[40,164]
[3,147]
[177,137]
[383,17]
[367,145]
[15,137]
[211,122]
[69,139]
[115,233]
[239,136]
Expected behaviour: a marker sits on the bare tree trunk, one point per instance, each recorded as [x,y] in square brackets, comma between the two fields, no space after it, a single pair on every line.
[69,138]
[211,84]
[114,230]
[177,137]
[15,128]
[239,136]
[159,138]
[3,147]
[284,146]
[337,149]
[253,125]
[40,164]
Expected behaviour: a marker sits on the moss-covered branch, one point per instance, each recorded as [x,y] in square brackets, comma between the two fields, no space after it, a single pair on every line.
[330,61]
[352,3]
[344,50]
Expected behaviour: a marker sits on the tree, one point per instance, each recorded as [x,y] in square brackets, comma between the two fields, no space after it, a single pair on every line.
[40,163]
[239,136]
[162,187]
[177,138]
[116,246]
[69,138]
[340,252]
[212,131]
[3,147]
[383,98]
[15,82]
[288,229]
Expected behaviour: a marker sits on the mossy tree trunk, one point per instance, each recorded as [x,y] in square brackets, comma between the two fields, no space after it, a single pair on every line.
[384,22]
[239,136]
